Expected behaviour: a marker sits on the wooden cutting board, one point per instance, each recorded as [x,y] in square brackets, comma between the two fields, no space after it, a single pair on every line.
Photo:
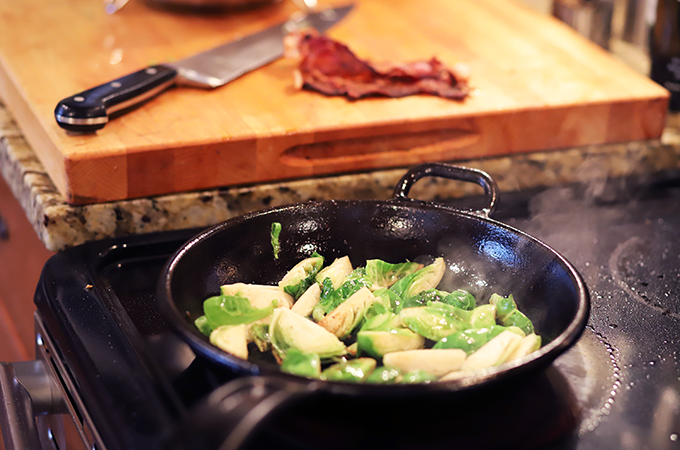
[537,85]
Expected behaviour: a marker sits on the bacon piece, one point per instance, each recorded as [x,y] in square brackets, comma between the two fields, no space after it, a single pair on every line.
[330,67]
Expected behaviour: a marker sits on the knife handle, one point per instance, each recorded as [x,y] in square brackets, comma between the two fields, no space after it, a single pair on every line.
[90,110]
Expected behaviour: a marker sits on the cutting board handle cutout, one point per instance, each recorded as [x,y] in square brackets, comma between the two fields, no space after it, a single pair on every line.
[403,148]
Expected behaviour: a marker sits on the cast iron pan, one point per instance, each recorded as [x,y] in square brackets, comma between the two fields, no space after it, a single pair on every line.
[483,256]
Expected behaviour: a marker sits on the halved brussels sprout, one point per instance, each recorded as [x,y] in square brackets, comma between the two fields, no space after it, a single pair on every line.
[259,295]
[232,339]
[495,352]
[483,316]
[517,318]
[461,299]
[337,272]
[382,322]
[307,301]
[385,375]
[382,274]
[354,370]
[472,339]
[436,362]
[303,364]
[432,322]
[528,345]
[379,343]
[301,276]
[387,299]
[332,298]
[417,376]
[232,310]
[426,278]
[509,315]
[343,319]
[290,330]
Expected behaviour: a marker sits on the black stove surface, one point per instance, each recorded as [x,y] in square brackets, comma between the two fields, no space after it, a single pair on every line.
[617,388]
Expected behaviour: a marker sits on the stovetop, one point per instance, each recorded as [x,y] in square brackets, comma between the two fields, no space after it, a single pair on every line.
[617,388]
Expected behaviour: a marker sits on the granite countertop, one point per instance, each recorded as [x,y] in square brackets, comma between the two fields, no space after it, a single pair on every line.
[60,225]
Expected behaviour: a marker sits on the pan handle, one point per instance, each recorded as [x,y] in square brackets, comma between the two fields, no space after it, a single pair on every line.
[453,173]
[227,418]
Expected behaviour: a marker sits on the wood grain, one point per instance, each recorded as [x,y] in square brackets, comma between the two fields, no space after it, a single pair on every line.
[537,85]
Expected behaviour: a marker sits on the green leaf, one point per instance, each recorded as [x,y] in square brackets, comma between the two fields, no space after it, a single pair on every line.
[276,246]
[232,310]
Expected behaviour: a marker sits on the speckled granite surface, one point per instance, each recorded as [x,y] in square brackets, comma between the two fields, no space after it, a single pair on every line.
[60,225]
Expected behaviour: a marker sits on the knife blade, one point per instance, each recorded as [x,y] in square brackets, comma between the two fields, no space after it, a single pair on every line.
[91,110]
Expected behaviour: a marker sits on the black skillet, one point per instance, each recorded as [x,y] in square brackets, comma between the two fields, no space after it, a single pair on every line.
[483,256]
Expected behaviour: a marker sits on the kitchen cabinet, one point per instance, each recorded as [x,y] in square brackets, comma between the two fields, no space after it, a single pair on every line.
[22,256]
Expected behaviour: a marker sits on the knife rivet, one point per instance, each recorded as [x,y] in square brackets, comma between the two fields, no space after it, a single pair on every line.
[79,99]
[151,71]
[116,84]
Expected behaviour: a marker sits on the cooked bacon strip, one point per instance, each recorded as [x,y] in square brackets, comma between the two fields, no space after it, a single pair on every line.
[330,67]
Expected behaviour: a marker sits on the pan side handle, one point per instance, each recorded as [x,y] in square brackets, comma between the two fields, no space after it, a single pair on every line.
[228,417]
[451,172]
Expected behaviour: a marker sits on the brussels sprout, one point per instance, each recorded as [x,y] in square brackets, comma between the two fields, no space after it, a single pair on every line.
[332,298]
[472,339]
[203,326]
[301,276]
[436,362]
[232,339]
[386,298]
[527,345]
[289,330]
[337,272]
[379,343]
[307,301]
[426,278]
[509,315]
[517,318]
[258,333]
[353,371]
[381,274]
[458,313]
[343,319]
[495,352]
[417,376]
[483,316]
[431,322]
[232,310]
[461,299]
[303,364]
[385,375]
[504,305]
[260,296]
[382,322]
[468,340]
[274,237]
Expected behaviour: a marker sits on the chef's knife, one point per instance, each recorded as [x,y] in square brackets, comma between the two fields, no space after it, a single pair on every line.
[90,110]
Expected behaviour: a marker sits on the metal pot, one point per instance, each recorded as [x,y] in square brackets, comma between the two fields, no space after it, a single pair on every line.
[486,256]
